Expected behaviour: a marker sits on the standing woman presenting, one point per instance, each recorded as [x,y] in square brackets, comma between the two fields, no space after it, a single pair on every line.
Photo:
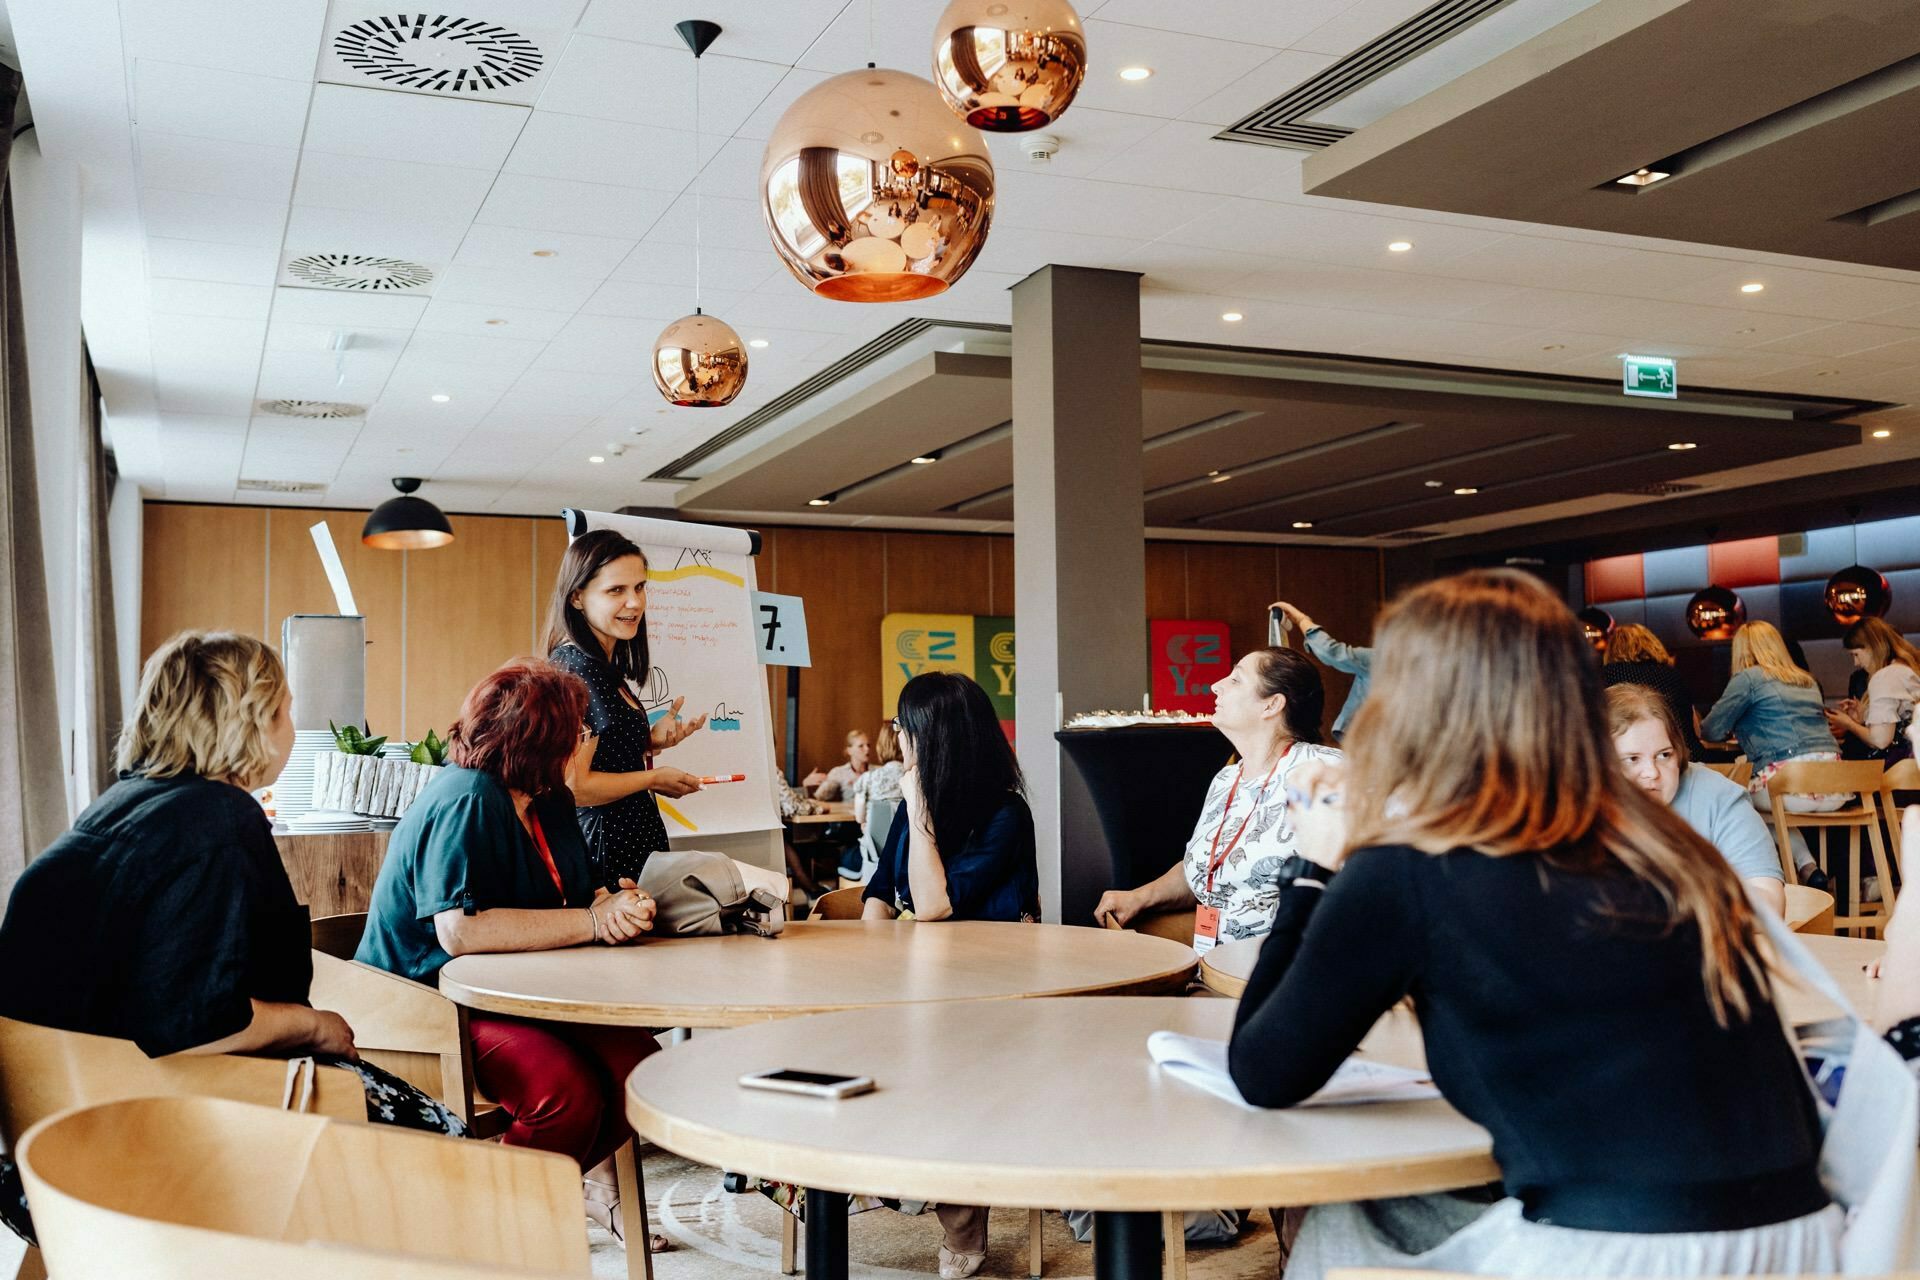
[597,629]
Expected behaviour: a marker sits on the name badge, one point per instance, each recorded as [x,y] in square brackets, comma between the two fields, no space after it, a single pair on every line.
[1206,928]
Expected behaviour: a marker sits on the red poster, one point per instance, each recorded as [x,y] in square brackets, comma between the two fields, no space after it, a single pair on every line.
[1186,657]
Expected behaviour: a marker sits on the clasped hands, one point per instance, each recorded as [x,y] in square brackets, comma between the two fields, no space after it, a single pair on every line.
[621,915]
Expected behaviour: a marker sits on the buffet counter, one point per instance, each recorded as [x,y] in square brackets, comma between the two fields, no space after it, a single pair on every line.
[332,874]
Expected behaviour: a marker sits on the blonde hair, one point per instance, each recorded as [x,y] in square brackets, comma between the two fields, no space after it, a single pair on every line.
[1629,704]
[886,744]
[1883,645]
[1758,644]
[207,701]
[1634,643]
[1486,730]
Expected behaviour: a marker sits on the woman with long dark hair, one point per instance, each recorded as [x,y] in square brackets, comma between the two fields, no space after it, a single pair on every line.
[597,630]
[1585,966]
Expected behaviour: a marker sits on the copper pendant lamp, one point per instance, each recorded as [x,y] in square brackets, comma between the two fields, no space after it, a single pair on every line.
[699,362]
[1857,593]
[1008,66]
[1596,625]
[873,192]
[1715,613]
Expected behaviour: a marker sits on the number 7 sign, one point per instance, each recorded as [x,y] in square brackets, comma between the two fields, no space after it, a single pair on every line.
[780,630]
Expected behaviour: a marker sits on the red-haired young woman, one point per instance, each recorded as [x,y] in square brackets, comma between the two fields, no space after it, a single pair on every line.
[490,858]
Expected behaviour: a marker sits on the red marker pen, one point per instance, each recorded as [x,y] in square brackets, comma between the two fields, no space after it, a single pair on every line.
[725,777]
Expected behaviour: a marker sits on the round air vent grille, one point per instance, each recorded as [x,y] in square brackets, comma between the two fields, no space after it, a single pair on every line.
[438,54]
[311,409]
[359,272]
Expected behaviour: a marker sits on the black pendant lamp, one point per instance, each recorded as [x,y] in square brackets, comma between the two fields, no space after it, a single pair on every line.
[406,523]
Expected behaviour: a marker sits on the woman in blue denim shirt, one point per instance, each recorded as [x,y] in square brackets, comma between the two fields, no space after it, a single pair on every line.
[1775,710]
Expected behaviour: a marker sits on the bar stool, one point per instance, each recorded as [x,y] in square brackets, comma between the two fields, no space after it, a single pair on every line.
[1861,780]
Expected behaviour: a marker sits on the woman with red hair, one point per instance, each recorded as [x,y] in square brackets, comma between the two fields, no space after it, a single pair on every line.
[490,858]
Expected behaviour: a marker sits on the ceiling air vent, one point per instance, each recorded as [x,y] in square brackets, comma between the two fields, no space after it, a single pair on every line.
[311,409]
[358,273]
[280,486]
[1664,489]
[448,55]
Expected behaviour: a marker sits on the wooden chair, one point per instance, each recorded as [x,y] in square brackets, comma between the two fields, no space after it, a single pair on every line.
[841,904]
[1903,776]
[1809,910]
[44,1071]
[1740,771]
[1860,779]
[191,1187]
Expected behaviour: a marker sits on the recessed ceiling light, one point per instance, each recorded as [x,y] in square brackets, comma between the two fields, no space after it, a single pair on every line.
[546,253]
[596,459]
[1218,476]
[496,322]
[1400,246]
[1748,329]
[1825,373]
[1882,434]
[1752,286]
[818,502]
[1464,490]
[1213,473]
[1436,484]
[1135,73]
[1232,317]
[1642,178]
[925,460]
[1303,524]
[441,399]
[1681,446]
[1555,346]
[757,343]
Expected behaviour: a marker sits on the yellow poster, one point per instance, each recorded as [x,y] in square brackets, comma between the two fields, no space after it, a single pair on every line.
[914,642]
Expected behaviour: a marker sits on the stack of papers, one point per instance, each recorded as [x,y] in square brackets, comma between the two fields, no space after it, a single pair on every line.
[1203,1064]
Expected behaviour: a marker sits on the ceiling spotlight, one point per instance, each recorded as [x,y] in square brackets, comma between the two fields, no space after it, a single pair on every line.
[496,322]
[1642,178]
[1825,373]
[1749,329]
[757,344]
[1135,73]
[1218,476]
[441,399]
[596,459]
[819,502]
[546,253]
[1400,246]
[1436,484]
[1303,524]
[1681,446]
[1232,317]
[1555,346]
[1882,434]
[1752,286]
[925,459]
[1464,490]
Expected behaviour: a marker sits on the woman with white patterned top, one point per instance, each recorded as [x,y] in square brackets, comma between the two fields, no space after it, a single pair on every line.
[1269,707]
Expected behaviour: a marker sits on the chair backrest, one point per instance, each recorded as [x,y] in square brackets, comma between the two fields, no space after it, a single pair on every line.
[881,815]
[339,936]
[398,1024]
[1809,910]
[44,1070]
[841,904]
[1859,778]
[1740,771]
[1903,775]
[193,1185]
[1176,924]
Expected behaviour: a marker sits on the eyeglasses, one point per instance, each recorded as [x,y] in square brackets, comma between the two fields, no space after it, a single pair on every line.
[894,724]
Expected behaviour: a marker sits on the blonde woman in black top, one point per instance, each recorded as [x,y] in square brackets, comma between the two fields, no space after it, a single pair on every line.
[597,629]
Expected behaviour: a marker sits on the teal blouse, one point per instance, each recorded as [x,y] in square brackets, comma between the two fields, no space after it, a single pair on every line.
[461,845]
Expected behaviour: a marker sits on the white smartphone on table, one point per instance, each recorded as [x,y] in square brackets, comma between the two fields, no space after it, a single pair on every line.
[812,1084]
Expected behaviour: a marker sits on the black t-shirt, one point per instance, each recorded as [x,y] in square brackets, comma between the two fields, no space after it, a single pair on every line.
[156,919]
[619,835]
[1557,1012]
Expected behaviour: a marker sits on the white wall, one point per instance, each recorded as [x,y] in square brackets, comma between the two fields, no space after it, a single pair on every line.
[46,204]
[126,531]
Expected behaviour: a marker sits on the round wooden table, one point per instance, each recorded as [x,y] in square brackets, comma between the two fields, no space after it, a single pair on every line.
[1226,968]
[814,967]
[1029,1102]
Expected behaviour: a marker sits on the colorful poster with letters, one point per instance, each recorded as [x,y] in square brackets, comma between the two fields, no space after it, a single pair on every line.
[1186,656]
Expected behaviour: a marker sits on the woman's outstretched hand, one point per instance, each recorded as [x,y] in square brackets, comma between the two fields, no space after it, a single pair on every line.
[672,730]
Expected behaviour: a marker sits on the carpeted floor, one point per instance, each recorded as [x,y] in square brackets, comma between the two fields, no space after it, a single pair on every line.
[723,1236]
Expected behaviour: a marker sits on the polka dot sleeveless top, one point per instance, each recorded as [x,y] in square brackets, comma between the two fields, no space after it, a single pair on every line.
[619,835]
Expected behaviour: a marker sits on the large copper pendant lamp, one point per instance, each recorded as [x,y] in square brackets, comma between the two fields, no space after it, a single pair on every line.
[1715,613]
[873,192]
[699,362]
[1010,66]
[1596,625]
[1857,592]
[406,523]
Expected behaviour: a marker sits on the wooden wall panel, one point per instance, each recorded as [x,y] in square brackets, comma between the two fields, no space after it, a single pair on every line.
[1000,551]
[838,572]
[1233,583]
[1167,580]
[1340,590]
[204,569]
[469,609]
[298,584]
[938,573]
[549,544]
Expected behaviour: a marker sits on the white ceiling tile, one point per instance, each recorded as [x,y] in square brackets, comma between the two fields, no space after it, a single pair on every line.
[211,166]
[184,215]
[1083,207]
[499,355]
[1185,156]
[309,339]
[356,378]
[1022,252]
[190,391]
[749,28]
[260,37]
[1658,320]
[204,103]
[1088,140]
[347,310]
[515,287]
[412,126]
[207,298]
[1283,71]
[1187,69]
[596,344]
[653,262]
[1826,295]
[614,152]
[436,192]
[1255,21]
[650,84]
[314,230]
[1843,340]
[567,255]
[897,34]
[205,260]
[582,208]
[487,320]
[1358,24]
[795,82]
[723,223]
[1328,235]
[662,302]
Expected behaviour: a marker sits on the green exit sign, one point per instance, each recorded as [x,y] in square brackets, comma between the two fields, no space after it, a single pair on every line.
[1651,376]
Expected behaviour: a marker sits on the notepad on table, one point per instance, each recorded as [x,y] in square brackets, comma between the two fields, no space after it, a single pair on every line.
[1203,1064]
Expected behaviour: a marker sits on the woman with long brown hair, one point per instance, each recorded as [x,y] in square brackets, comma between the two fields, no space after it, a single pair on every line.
[597,630]
[1892,665]
[1585,966]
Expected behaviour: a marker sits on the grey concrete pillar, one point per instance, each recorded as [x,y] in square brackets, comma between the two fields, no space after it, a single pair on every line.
[1079,548]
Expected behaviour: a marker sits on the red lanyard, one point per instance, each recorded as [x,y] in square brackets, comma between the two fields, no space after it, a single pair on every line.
[1217,855]
[546,854]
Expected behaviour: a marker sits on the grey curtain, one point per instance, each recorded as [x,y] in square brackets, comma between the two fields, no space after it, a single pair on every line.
[98,672]
[33,805]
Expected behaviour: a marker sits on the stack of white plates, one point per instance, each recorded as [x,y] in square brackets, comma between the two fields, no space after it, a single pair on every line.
[397,750]
[324,822]
[293,789]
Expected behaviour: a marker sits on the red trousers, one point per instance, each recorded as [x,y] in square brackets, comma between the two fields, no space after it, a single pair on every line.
[563,1084]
